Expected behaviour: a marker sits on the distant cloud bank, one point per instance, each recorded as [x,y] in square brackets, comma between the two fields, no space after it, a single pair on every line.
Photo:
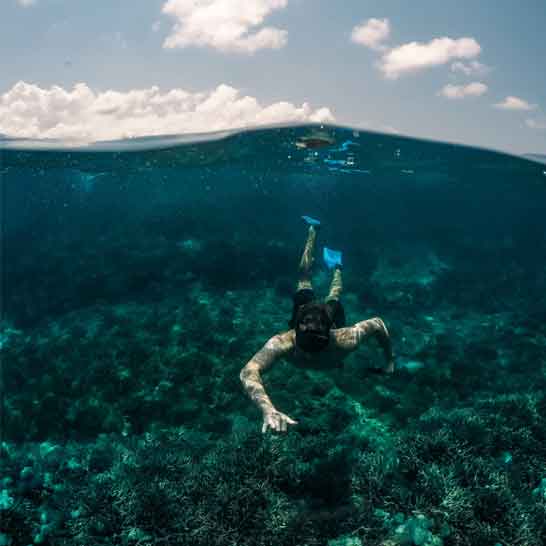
[461,54]
[225,25]
[372,33]
[26,3]
[81,114]
[474,89]
[416,56]
[514,103]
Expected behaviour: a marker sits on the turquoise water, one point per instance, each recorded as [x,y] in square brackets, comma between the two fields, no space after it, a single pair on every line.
[139,277]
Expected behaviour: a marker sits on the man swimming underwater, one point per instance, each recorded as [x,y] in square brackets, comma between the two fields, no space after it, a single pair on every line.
[317,333]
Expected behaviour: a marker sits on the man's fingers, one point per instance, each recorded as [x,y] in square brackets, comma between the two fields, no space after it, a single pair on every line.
[289,420]
[278,422]
[269,422]
[273,422]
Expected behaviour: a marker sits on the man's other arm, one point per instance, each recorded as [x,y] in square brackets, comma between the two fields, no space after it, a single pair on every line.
[376,327]
[261,361]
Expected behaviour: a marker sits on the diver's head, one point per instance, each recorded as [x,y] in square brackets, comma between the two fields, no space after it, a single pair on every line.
[312,327]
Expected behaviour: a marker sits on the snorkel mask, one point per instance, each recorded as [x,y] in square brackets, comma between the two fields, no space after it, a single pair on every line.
[312,328]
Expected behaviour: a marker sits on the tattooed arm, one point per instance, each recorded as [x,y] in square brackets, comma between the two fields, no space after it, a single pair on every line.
[250,377]
[376,327]
[351,338]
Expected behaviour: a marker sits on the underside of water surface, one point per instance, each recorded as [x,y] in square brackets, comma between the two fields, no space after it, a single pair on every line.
[139,277]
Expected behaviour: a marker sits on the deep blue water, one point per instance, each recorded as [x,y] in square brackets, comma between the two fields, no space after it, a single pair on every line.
[118,256]
[71,218]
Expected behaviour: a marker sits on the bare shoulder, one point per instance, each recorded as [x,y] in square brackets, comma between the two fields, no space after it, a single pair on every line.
[345,338]
[365,327]
[281,343]
[275,347]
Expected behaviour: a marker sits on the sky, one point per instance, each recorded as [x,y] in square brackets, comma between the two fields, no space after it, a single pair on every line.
[458,71]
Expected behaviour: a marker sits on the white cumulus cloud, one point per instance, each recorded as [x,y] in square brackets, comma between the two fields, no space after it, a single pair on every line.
[372,33]
[470,68]
[416,56]
[536,124]
[474,89]
[81,114]
[514,103]
[226,25]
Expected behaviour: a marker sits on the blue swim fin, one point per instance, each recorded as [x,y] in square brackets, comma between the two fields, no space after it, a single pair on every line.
[311,221]
[331,257]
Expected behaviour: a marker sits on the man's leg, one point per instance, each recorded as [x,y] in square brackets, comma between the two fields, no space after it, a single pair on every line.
[336,286]
[304,293]
[307,259]
[335,308]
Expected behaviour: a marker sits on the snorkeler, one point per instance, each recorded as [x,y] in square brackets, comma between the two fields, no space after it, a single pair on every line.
[317,334]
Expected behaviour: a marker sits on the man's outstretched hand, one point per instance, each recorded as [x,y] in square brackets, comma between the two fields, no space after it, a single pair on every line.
[275,420]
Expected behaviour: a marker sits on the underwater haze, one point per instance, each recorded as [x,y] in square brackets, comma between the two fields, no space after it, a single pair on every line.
[139,277]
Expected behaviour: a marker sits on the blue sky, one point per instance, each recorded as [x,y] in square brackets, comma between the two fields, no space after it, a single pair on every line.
[313,52]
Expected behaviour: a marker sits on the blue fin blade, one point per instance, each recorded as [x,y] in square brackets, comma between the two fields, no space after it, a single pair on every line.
[311,221]
[331,257]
